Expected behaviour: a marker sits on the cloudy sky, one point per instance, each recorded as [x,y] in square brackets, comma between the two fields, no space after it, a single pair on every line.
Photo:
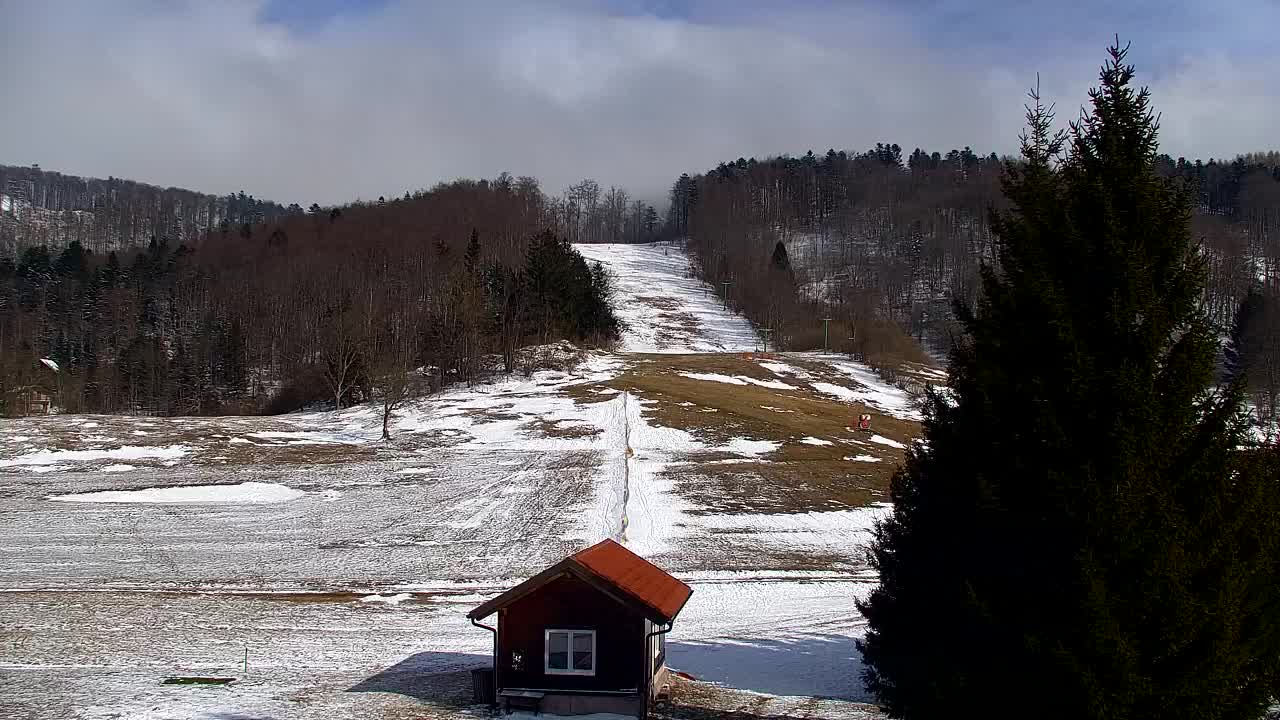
[329,100]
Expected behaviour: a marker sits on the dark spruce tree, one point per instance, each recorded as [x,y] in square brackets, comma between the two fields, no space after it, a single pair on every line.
[471,261]
[1079,536]
[780,259]
[1242,347]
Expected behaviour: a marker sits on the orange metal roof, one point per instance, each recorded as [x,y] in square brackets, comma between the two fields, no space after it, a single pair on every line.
[639,578]
[608,564]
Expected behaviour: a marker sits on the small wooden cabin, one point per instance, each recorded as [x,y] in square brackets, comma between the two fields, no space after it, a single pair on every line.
[36,403]
[586,635]
[26,401]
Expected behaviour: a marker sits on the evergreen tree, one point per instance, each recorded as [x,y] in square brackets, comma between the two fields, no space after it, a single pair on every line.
[565,295]
[1079,536]
[1241,347]
[780,260]
[471,261]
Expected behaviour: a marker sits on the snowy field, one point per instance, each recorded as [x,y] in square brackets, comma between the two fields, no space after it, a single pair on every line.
[330,573]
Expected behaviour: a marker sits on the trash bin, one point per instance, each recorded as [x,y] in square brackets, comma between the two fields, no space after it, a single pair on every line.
[482,690]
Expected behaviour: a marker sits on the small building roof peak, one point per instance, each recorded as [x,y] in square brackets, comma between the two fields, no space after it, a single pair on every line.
[660,595]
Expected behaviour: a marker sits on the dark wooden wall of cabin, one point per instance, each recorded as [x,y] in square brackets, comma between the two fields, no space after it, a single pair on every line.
[571,604]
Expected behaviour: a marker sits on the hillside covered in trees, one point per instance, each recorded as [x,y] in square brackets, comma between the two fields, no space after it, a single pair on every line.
[882,242]
[175,302]
[39,207]
[333,304]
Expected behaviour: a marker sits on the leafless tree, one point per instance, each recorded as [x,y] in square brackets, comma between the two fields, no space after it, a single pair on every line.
[342,346]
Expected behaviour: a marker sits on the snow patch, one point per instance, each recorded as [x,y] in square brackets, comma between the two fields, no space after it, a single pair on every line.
[837,391]
[781,368]
[882,440]
[802,528]
[739,380]
[128,452]
[863,458]
[248,492]
[118,468]
[387,599]
[715,377]
[816,441]
[773,384]
[747,446]
[888,399]
[307,438]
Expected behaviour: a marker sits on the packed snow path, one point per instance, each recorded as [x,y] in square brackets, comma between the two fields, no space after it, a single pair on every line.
[666,309]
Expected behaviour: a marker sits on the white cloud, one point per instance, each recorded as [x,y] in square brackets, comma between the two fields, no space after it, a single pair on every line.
[204,95]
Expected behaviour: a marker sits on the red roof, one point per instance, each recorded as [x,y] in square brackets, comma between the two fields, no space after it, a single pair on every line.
[639,578]
[607,563]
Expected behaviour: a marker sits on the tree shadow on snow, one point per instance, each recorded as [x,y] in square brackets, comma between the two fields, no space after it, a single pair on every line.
[436,677]
[816,665]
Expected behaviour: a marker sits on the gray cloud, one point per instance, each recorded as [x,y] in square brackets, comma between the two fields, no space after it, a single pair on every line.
[206,96]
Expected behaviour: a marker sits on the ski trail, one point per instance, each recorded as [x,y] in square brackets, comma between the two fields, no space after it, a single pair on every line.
[627,454]
[655,513]
[634,501]
[612,486]
[663,308]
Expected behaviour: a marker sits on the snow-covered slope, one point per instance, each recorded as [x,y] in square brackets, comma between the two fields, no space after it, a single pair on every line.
[665,308]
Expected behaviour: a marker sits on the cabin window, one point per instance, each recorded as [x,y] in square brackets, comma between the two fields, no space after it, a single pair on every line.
[571,652]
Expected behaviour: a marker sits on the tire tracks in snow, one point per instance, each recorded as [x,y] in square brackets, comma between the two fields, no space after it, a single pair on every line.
[632,457]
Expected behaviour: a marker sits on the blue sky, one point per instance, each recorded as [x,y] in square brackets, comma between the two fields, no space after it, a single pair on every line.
[329,100]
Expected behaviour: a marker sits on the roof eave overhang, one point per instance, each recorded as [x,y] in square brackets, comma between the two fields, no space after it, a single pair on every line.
[584,573]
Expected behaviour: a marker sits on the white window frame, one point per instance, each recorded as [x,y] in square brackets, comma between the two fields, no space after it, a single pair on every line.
[659,650]
[546,652]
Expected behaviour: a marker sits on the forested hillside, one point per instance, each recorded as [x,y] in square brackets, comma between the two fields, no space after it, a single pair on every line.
[883,243]
[39,207]
[171,301]
[873,241]
[334,304]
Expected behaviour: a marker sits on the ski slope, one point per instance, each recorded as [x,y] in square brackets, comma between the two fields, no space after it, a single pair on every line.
[663,307]
[343,567]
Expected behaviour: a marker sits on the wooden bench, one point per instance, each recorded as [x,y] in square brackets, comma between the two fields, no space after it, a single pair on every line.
[521,700]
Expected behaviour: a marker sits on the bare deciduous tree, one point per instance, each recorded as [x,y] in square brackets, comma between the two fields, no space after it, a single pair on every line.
[342,346]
